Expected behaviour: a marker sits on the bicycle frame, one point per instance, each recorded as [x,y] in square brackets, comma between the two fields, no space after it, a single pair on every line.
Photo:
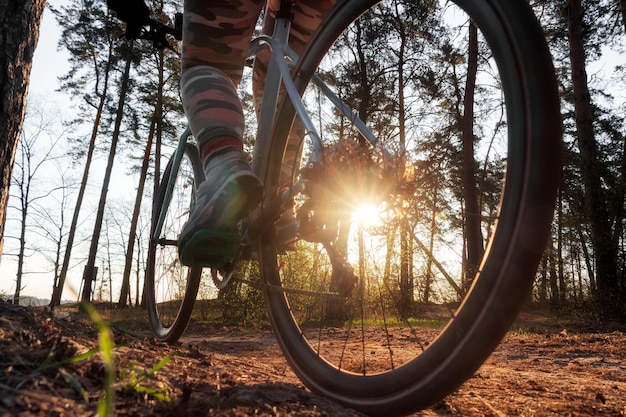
[282,59]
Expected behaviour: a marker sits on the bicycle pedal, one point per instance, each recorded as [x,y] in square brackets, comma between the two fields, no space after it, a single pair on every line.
[210,248]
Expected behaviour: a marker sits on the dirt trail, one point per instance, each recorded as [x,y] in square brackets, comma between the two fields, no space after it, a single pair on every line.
[552,371]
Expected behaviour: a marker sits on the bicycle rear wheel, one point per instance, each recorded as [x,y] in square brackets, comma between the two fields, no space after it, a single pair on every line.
[171,288]
[419,322]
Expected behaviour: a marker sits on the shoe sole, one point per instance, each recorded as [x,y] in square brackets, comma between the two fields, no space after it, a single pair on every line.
[210,248]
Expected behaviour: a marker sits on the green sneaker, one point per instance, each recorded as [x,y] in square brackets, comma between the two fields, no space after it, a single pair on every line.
[210,237]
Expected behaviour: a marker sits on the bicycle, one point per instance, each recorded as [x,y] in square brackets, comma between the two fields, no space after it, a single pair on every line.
[355,335]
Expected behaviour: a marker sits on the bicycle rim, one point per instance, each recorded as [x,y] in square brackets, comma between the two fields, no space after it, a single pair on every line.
[171,287]
[380,350]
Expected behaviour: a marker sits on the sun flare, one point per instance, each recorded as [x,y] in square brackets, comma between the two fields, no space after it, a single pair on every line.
[367,215]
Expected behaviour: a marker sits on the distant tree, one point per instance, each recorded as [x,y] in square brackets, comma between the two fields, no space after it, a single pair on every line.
[89,272]
[50,219]
[31,159]
[622,4]
[155,113]
[469,169]
[609,290]
[588,250]
[19,33]
[87,35]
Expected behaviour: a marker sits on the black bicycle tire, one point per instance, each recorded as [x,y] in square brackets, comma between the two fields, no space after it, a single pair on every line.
[175,330]
[515,250]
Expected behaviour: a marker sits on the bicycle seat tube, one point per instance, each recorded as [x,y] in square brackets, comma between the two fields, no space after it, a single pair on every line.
[277,73]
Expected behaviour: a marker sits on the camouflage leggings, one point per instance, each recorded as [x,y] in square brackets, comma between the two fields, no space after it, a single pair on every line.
[216,37]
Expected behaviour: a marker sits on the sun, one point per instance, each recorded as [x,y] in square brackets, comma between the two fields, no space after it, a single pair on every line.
[367,215]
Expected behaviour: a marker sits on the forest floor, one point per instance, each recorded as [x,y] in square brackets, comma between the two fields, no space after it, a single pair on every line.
[546,366]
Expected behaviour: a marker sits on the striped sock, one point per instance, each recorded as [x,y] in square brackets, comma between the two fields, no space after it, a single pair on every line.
[215,165]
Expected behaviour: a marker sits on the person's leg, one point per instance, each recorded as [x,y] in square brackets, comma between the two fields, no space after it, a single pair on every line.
[216,36]
[307,17]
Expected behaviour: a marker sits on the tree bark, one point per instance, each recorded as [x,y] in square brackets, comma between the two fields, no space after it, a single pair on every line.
[19,33]
[470,192]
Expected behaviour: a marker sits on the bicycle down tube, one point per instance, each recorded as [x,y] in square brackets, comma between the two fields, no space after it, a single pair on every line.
[279,70]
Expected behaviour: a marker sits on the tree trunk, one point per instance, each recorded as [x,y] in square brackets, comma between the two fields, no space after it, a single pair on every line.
[588,261]
[19,33]
[439,266]
[157,180]
[554,285]
[91,260]
[559,252]
[470,192]
[158,115]
[24,164]
[605,247]
[622,5]
[406,252]
[431,246]
[20,256]
[132,234]
[542,292]
[57,290]
[389,255]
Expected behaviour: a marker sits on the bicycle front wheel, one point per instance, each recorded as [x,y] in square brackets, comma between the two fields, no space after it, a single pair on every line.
[171,288]
[444,245]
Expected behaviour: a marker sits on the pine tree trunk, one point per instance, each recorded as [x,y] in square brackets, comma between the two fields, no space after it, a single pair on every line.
[554,284]
[543,282]
[431,247]
[19,33]
[24,184]
[406,252]
[57,290]
[559,252]
[89,273]
[132,234]
[622,5]
[470,192]
[154,125]
[588,261]
[605,247]
[157,180]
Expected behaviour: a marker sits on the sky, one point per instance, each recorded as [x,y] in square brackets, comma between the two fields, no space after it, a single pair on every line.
[48,64]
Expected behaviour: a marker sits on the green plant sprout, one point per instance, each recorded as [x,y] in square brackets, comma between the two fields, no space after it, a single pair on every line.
[134,378]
